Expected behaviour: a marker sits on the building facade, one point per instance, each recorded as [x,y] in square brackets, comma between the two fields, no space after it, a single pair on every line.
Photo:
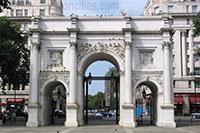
[186,64]
[24,8]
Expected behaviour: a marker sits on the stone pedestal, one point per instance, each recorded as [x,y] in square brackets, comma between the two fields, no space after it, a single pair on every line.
[168,117]
[33,116]
[71,115]
[128,116]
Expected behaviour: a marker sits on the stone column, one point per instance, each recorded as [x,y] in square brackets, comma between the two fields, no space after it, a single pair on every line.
[73,74]
[191,47]
[128,119]
[167,74]
[71,116]
[177,51]
[184,52]
[80,99]
[33,100]
[128,74]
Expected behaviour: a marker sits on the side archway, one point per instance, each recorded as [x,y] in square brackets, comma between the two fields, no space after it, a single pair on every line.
[149,106]
[50,86]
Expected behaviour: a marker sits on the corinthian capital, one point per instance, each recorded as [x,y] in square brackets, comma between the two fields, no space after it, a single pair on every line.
[183,32]
[128,44]
[167,44]
[73,44]
[35,45]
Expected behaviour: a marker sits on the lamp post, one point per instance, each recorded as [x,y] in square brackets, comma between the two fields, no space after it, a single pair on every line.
[88,81]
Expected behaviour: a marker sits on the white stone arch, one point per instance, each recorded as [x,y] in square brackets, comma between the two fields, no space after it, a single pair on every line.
[143,80]
[45,94]
[157,92]
[54,80]
[95,55]
[83,64]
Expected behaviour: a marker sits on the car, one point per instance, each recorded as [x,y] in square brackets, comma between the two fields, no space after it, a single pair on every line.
[98,115]
[107,114]
[59,113]
[196,115]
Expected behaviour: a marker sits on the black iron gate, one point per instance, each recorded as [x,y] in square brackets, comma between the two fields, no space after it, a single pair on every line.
[87,81]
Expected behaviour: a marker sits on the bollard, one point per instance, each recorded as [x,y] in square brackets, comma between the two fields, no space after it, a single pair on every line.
[57,131]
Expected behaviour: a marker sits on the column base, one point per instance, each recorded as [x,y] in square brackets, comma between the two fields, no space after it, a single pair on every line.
[33,120]
[168,116]
[71,124]
[71,115]
[129,124]
[128,119]
[32,124]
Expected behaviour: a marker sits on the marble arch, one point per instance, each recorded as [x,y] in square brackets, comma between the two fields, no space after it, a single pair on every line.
[63,47]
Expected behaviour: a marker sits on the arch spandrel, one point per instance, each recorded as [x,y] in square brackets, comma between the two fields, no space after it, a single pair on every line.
[155,78]
[48,77]
[112,52]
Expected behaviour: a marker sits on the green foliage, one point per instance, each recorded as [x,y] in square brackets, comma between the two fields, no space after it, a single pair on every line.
[4,4]
[196,22]
[14,55]
[197,51]
[96,101]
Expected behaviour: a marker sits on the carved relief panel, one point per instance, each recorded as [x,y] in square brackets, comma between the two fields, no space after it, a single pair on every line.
[55,57]
[146,57]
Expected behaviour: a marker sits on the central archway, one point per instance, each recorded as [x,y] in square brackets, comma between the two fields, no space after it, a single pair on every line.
[84,64]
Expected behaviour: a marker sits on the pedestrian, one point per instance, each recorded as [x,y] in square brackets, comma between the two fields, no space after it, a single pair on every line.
[4,118]
[14,116]
[26,116]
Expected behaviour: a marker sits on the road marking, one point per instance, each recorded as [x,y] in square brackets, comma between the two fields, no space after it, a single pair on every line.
[67,130]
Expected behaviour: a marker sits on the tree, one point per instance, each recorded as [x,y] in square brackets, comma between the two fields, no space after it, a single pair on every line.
[14,55]
[4,4]
[96,101]
[196,22]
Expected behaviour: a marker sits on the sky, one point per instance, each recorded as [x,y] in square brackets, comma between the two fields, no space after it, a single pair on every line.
[98,68]
[102,7]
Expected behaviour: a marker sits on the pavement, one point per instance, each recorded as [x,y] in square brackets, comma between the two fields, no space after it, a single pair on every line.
[184,126]
[99,129]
